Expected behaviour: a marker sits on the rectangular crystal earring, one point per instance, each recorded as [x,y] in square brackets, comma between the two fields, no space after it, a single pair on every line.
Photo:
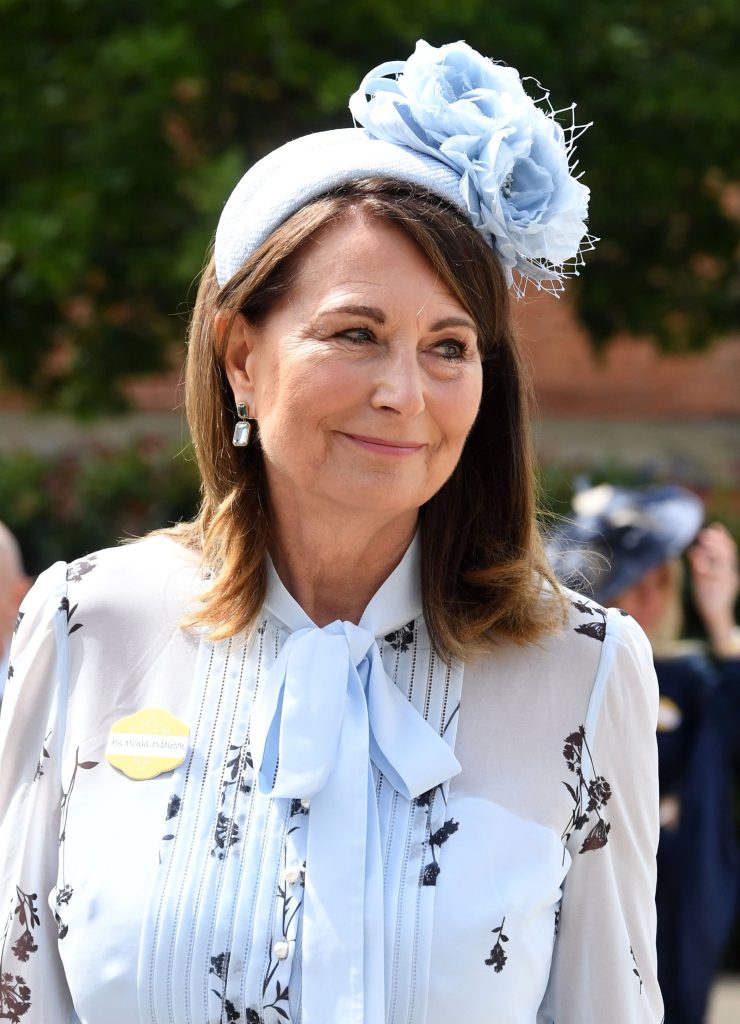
[243,426]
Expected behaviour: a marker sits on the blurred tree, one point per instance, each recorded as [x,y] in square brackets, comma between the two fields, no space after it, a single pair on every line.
[125,125]
[67,505]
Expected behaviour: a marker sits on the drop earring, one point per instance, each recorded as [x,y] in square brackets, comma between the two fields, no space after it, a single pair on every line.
[243,426]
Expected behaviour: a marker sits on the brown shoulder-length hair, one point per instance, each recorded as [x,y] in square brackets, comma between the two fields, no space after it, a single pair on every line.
[484,574]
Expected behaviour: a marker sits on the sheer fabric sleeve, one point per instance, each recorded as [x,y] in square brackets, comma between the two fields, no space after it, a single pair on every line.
[32,984]
[604,963]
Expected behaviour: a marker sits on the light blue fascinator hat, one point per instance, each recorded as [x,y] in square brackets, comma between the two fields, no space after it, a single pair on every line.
[617,534]
[456,124]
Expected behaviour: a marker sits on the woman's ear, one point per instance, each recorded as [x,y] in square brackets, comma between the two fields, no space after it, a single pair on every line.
[238,344]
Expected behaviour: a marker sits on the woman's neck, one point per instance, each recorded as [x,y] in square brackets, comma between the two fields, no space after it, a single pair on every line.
[334,569]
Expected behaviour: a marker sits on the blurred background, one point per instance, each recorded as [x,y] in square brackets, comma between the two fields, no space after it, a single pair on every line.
[124,126]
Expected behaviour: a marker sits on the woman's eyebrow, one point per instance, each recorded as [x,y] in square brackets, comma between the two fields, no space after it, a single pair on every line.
[371,312]
[452,321]
[378,316]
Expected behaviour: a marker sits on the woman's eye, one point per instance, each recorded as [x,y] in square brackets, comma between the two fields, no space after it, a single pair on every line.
[452,349]
[357,334]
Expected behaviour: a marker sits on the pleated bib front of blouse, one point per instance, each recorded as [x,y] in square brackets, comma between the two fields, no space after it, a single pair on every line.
[293,879]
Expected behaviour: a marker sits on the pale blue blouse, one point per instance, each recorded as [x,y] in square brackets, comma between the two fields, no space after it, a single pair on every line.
[360,832]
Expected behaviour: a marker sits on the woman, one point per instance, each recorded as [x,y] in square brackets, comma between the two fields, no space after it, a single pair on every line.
[642,533]
[403,791]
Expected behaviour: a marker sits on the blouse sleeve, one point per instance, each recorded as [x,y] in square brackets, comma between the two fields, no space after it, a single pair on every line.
[604,963]
[32,983]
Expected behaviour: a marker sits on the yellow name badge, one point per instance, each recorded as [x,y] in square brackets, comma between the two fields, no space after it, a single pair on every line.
[147,744]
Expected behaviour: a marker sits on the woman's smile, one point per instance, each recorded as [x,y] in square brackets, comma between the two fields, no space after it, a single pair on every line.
[381,446]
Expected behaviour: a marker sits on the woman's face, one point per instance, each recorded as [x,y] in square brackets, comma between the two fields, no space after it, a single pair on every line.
[365,379]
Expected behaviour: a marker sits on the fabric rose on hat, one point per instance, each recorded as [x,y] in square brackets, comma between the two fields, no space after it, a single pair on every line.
[513,158]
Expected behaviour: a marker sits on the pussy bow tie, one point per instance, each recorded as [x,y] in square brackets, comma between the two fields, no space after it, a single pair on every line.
[325,712]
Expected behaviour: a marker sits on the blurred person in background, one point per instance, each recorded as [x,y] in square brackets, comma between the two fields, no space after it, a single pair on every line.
[624,547]
[13,587]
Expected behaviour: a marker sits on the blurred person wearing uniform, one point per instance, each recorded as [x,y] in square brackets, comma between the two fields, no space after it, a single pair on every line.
[13,586]
[623,547]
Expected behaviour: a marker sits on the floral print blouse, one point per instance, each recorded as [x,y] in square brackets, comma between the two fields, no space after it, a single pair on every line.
[359,831]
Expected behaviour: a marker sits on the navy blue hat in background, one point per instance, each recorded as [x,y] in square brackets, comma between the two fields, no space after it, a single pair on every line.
[616,535]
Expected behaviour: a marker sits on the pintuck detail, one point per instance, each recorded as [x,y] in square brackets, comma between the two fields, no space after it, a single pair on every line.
[229,904]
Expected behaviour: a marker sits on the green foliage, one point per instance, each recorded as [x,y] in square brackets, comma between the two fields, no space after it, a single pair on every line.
[125,125]
[61,507]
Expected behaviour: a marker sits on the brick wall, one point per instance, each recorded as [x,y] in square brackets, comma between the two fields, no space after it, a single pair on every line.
[631,379]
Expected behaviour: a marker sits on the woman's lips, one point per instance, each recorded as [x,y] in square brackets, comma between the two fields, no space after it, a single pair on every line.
[381,446]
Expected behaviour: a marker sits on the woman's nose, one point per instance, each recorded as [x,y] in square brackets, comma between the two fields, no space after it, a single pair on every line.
[400,383]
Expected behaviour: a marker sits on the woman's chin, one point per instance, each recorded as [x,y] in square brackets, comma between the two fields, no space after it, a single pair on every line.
[375,498]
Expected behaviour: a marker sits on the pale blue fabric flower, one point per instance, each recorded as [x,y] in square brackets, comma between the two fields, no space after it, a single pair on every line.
[512,157]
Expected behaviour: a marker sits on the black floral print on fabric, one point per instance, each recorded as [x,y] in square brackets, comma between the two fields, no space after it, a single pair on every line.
[290,893]
[281,995]
[69,612]
[173,809]
[634,969]
[297,807]
[64,895]
[425,799]
[431,870]
[16,627]
[588,798]
[451,719]
[237,764]
[81,567]
[64,890]
[596,628]
[220,968]
[290,907]
[15,997]
[225,836]
[497,957]
[173,806]
[401,639]
[42,757]
[28,918]
[15,993]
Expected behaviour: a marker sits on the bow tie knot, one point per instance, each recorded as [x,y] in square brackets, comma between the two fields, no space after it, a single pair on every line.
[297,724]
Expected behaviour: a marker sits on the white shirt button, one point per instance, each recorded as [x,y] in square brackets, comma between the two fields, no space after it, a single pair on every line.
[281,949]
[292,873]
[305,803]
